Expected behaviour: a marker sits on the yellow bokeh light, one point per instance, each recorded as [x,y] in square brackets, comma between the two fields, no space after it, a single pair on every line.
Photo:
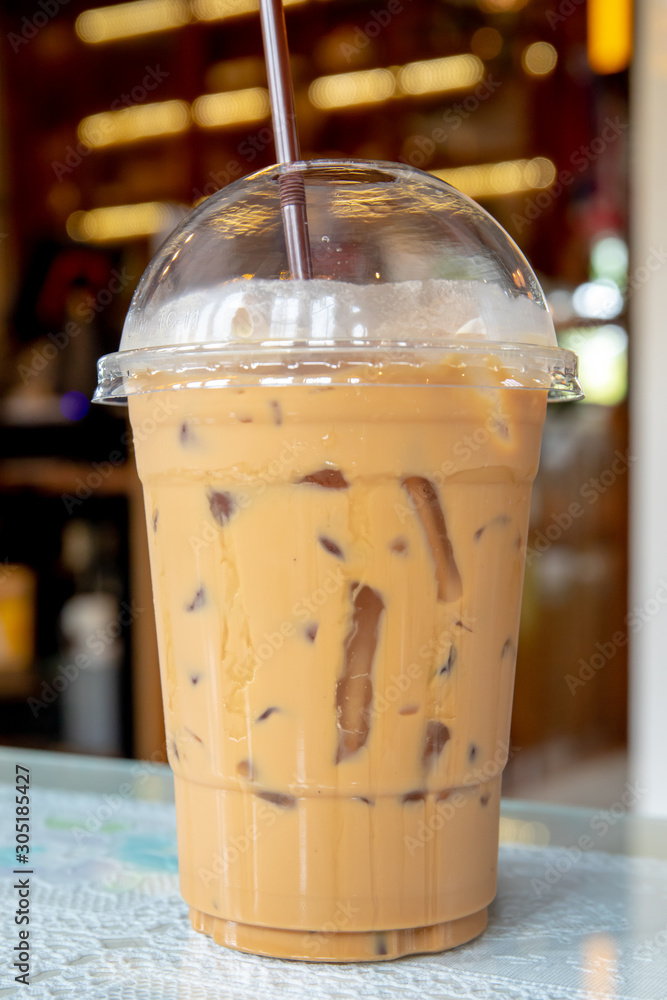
[231,107]
[345,89]
[371,86]
[609,35]
[431,76]
[539,59]
[141,121]
[101,225]
[123,20]
[489,180]
[506,177]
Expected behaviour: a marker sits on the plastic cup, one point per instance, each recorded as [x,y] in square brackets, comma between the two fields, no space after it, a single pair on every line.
[337,476]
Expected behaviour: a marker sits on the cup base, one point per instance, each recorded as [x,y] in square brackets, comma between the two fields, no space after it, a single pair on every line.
[339,946]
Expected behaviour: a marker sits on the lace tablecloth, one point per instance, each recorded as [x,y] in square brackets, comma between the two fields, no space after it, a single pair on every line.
[107,923]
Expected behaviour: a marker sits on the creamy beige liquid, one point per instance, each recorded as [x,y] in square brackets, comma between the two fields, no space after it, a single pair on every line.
[337,573]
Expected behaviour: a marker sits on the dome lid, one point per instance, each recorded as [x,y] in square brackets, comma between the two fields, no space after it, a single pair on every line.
[402,262]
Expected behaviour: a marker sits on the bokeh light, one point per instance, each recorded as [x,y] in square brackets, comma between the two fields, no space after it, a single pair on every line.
[432,76]
[599,299]
[346,89]
[486,43]
[489,180]
[603,361]
[124,20]
[216,110]
[609,259]
[117,222]
[609,34]
[518,831]
[501,6]
[539,59]
[74,405]
[143,121]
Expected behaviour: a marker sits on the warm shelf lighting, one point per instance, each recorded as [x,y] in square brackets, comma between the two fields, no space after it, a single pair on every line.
[367,86]
[232,107]
[123,20]
[609,35]
[539,59]
[501,6]
[101,225]
[142,121]
[435,76]
[147,121]
[216,10]
[371,86]
[488,180]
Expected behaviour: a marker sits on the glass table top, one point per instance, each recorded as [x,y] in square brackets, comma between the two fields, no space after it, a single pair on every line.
[581,910]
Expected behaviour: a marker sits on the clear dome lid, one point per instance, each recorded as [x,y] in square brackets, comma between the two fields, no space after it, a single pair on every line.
[405,268]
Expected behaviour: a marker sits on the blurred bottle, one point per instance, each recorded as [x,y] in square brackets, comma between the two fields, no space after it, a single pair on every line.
[91,627]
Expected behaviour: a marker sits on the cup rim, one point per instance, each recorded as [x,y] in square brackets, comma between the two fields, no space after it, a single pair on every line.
[278,363]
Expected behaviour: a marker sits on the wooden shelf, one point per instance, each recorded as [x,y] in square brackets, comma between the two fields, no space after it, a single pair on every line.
[56,475]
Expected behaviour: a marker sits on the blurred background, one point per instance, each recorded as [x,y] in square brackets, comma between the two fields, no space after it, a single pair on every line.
[116,120]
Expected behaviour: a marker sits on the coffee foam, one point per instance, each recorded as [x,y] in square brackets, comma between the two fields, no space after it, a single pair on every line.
[249,312]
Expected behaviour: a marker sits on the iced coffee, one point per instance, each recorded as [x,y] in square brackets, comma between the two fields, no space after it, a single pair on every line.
[337,489]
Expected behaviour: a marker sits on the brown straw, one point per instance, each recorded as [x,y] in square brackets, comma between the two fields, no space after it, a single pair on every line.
[291,184]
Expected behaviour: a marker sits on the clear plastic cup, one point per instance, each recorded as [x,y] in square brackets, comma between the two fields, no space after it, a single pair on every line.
[337,476]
